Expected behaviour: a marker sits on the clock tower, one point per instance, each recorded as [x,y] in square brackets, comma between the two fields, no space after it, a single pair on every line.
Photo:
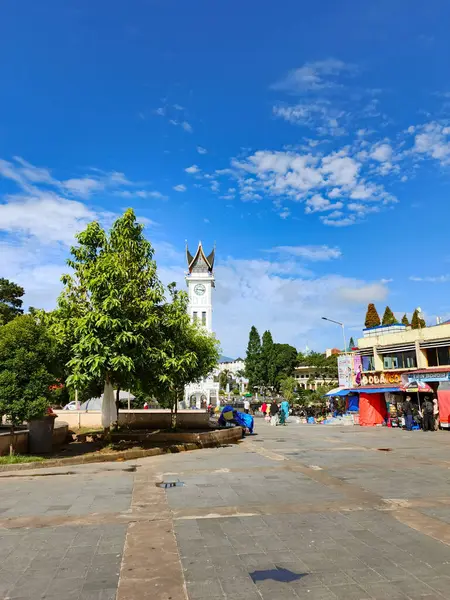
[200,281]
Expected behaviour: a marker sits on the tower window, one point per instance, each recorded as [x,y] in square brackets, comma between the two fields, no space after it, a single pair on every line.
[203,318]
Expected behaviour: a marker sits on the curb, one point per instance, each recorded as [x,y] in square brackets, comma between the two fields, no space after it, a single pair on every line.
[121,455]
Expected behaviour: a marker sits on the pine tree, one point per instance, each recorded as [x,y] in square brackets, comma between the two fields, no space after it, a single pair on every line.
[372,317]
[405,320]
[253,360]
[416,321]
[267,355]
[389,317]
[352,343]
[10,300]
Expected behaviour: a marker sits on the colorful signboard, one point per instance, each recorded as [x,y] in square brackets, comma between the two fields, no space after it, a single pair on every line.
[357,370]
[385,378]
[345,370]
[439,376]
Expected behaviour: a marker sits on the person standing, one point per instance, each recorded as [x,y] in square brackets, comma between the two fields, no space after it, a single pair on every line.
[428,418]
[408,413]
[246,406]
[285,410]
[274,410]
[264,408]
[436,413]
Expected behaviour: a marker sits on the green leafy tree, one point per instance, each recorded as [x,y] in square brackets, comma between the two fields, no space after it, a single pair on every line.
[268,359]
[187,352]
[389,317]
[285,361]
[224,378]
[108,312]
[10,300]
[287,388]
[253,360]
[372,317]
[352,343]
[27,371]
[405,320]
[417,322]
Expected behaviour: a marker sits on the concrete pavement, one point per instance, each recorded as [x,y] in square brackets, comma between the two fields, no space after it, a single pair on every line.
[294,512]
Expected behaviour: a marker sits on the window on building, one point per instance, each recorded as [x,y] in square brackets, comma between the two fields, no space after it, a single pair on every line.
[194,316]
[203,318]
[400,360]
[368,363]
[438,357]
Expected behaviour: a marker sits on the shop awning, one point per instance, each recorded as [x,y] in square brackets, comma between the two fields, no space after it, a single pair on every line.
[339,391]
[375,390]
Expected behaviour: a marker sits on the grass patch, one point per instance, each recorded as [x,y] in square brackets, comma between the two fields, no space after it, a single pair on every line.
[19,458]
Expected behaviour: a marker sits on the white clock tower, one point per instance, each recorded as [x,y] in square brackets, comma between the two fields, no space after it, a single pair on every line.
[200,282]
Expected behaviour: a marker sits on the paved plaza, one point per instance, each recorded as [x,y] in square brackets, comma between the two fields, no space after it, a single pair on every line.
[315,512]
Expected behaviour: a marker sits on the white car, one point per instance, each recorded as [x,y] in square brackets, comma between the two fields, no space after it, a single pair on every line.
[71,406]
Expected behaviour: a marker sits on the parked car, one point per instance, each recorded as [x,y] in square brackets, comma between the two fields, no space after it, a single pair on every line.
[71,406]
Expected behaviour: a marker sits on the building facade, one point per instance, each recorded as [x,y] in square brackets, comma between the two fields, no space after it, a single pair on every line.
[308,378]
[200,283]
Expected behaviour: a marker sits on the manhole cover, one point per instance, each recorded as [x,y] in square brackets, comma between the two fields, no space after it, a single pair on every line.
[385,449]
[169,484]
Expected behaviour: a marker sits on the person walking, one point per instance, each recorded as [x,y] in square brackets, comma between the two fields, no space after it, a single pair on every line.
[246,406]
[436,413]
[408,413]
[274,410]
[428,417]
[284,410]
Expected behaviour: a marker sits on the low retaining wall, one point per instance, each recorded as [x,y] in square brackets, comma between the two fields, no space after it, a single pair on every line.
[136,419]
[205,439]
[21,442]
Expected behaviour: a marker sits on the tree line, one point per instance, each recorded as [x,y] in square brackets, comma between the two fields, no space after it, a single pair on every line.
[270,365]
[373,319]
[115,324]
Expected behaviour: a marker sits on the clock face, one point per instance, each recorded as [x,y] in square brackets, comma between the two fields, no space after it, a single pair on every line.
[199,289]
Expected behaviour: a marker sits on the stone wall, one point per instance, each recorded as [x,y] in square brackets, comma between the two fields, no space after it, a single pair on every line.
[137,419]
[21,443]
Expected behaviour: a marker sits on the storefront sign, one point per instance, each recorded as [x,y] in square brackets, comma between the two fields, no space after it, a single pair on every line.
[381,378]
[345,363]
[443,376]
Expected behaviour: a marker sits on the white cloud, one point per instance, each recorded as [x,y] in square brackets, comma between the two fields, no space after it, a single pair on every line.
[313,253]
[178,107]
[341,170]
[433,141]
[48,217]
[319,116]
[437,279]
[187,126]
[161,111]
[319,204]
[202,150]
[180,188]
[193,169]
[373,292]
[83,187]
[382,153]
[314,76]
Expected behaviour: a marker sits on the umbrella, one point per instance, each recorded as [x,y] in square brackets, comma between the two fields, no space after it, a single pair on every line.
[336,392]
[417,386]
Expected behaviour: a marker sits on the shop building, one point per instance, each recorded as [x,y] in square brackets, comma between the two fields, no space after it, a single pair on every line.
[388,360]
[308,378]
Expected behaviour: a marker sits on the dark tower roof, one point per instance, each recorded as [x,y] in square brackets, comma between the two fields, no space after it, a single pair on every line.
[200,263]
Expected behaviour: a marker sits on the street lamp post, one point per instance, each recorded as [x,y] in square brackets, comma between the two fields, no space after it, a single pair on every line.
[343,330]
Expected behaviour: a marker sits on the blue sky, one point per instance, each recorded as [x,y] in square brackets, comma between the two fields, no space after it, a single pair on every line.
[310,141]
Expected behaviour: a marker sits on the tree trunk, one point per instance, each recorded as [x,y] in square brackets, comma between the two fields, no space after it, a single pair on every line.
[117,405]
[12,441]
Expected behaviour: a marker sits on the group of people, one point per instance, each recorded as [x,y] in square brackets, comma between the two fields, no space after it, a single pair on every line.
[276,413]
[428,414]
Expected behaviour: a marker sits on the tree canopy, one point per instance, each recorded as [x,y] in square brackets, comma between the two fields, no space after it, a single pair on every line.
[27,369]
[372,317]
[417,322]
[352,343]
[389,317]
[10,300]
[268,359]
[253,362]
[405,320]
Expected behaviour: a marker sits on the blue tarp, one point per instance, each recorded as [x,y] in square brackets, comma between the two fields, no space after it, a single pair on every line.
[353,403]
[338,393]
[376,390]
[231,415]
